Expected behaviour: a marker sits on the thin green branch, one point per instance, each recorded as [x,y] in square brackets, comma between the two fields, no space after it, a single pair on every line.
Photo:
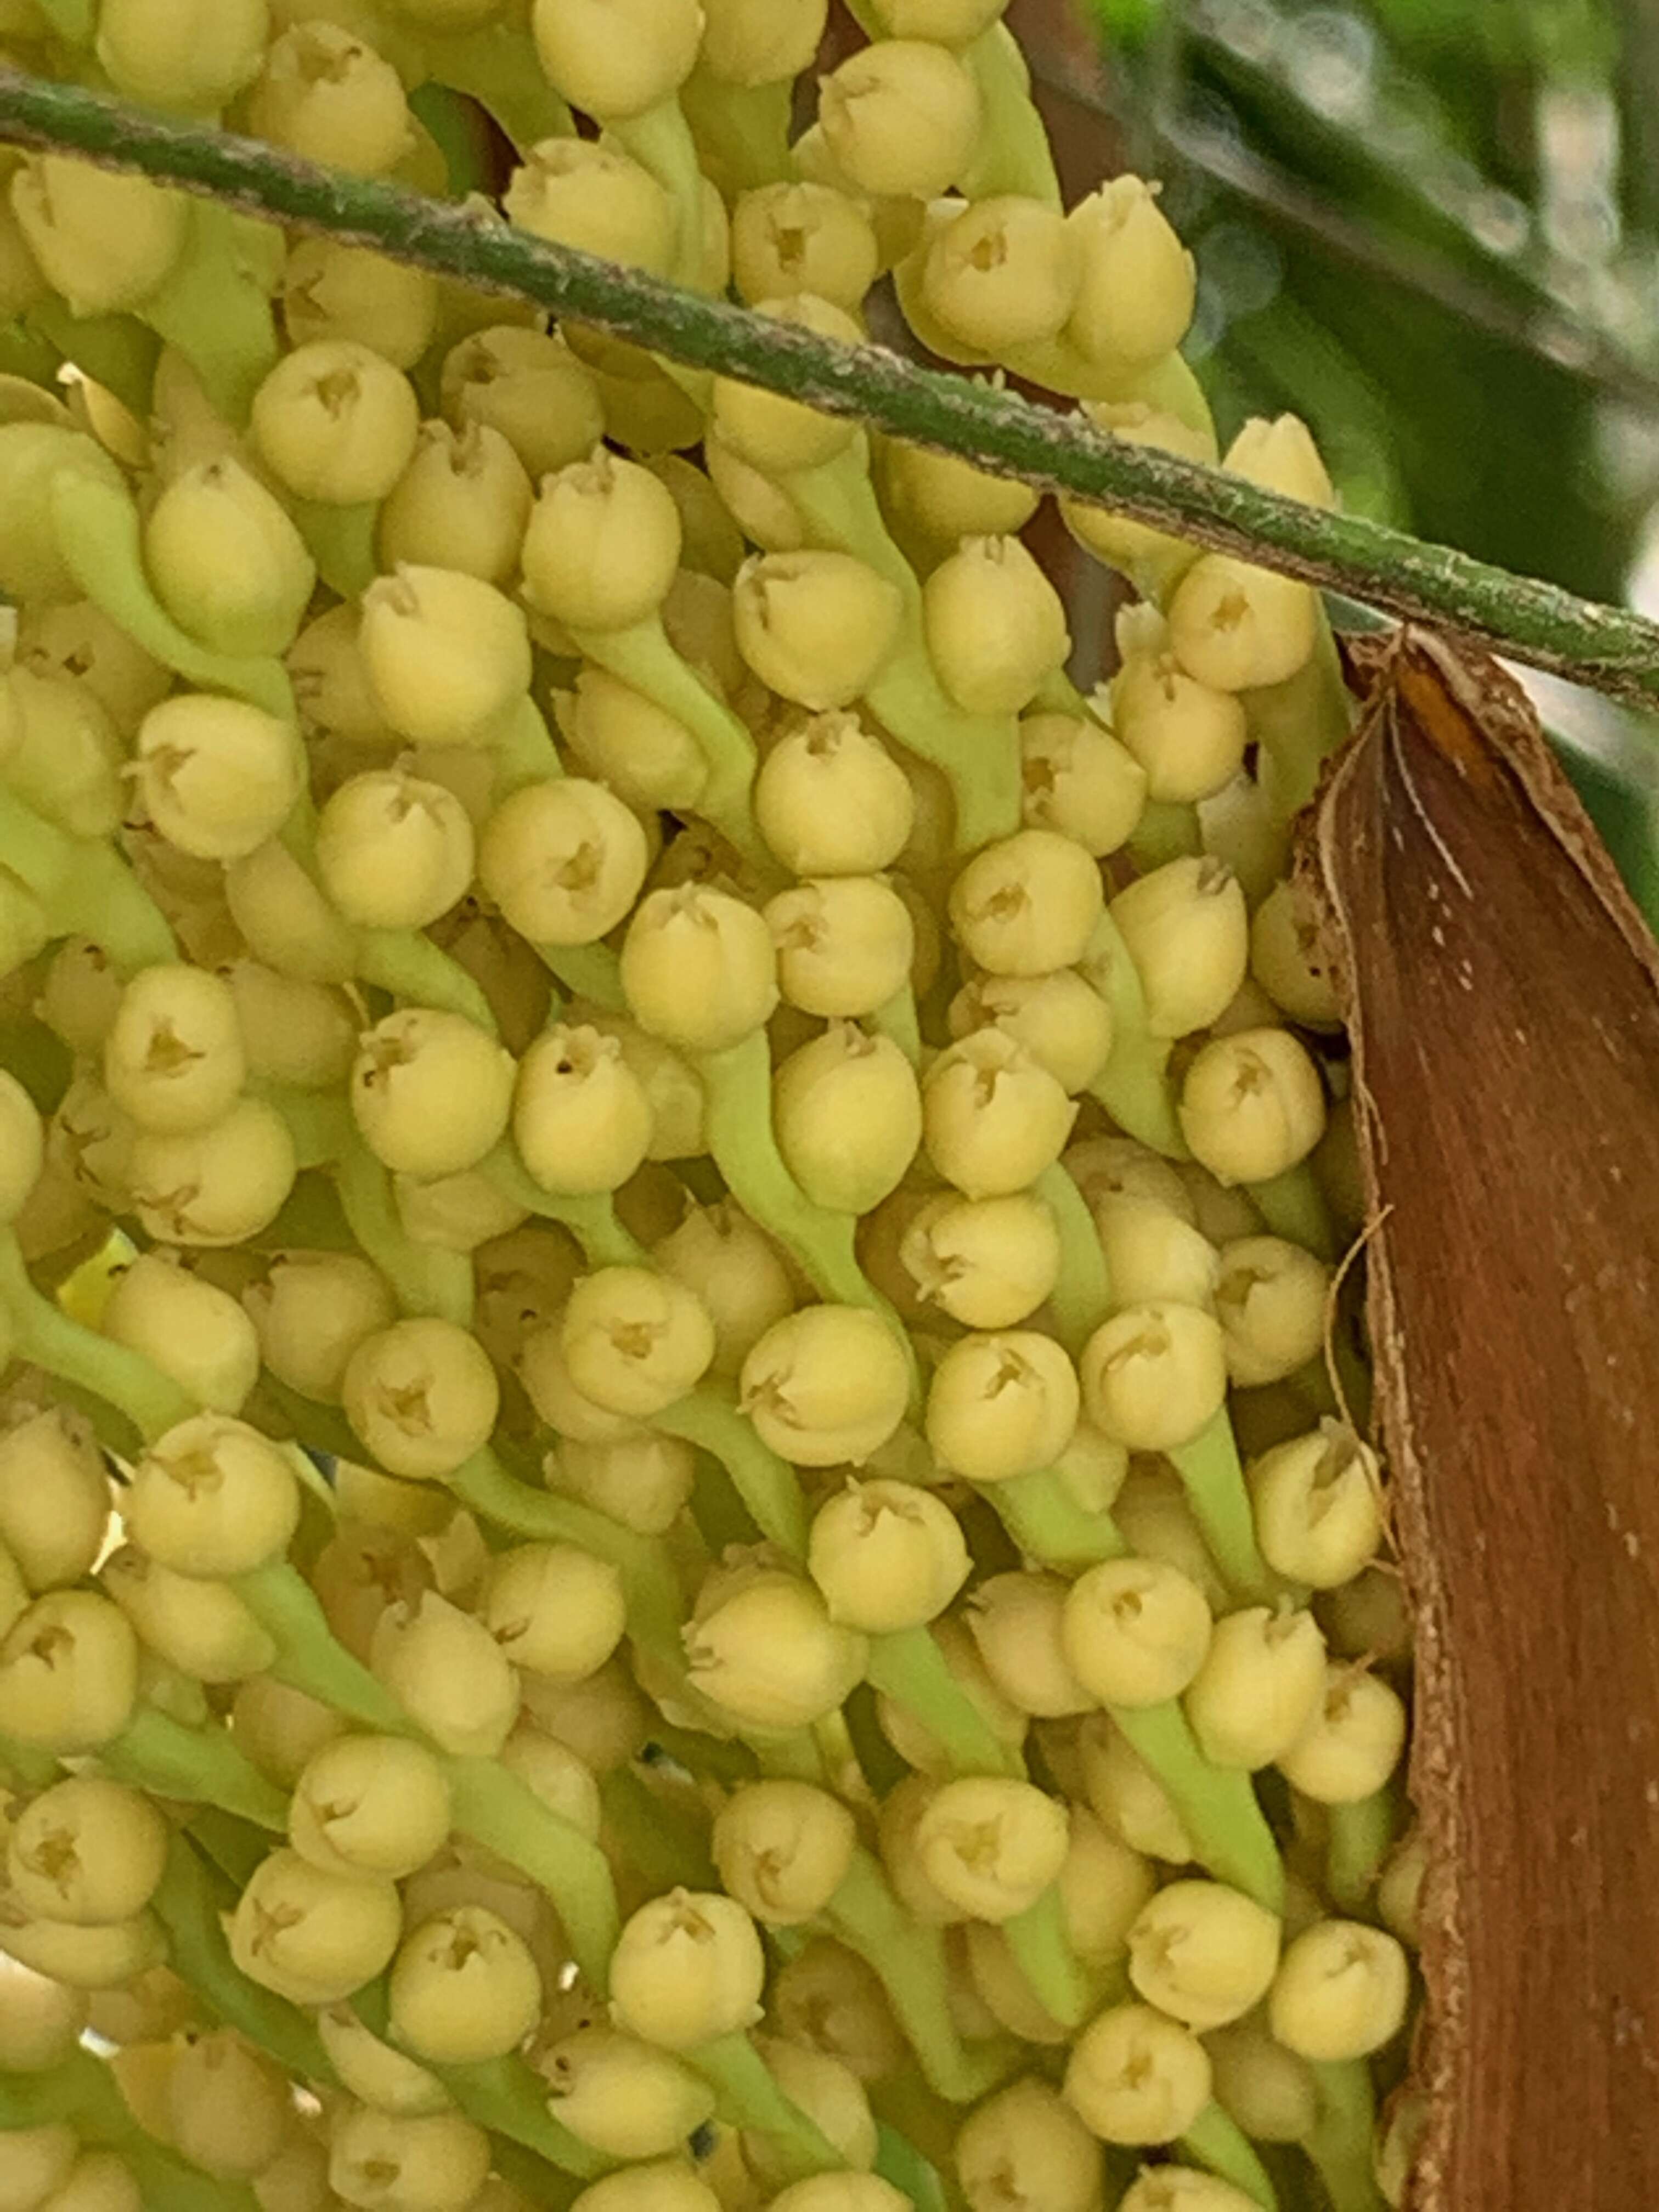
[1607,646]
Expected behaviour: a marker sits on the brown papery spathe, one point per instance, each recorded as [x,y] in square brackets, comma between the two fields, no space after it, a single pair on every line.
[1502,994]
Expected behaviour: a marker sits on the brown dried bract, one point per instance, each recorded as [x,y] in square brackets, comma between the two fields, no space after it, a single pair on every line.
[1502,994]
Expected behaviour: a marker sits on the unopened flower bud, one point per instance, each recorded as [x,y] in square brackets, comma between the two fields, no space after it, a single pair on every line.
[580,1117]
[198,1626]
[1318,1506]
[555,1610]
[844,943]
[227,2105]
[1027,905]
[1151,557]
[830,799]
[227,562]
[1002,1406]
[698,967]
[188,1327]
[1342,1992]
[901,117]
[447,654]
[687,1967]
[603,544]
[943,499]
[605,1720]
[448,1674]
[847,1116]
[1154,1376]
[312,1310]
[1015,1622]
[394,850]
[1262,1679]
[988,1262]
[783,1849]
[643,1481]
[212,1496]
[616,59]
[1281,456]
[285,919]
[63,756]
[839,2192]
[789,238]
[217,777]
[329,97]
[335,422]
[463,1988]
[54,1497]
[1268,2090]
[635,1339]
[1128,1798]
[1188,931]
[816,627]
[1152,1256]
[563,860]
[886,1556]
[1135,1630]
[333,291]
[622,2096]
[41,2021]
[1081,781]
[992,1845]
[373,2071]
[1136,282]
[995,625]
[1064,1023]
[370,1805]
[431,1092]
[407,2162]
[173,1057]
[531,388]
[422,1397]
[1025,2147]
[87,1851]
[768,1654]
[771,432]
[755,42]
[735,1271]
[1288,963]
[196,58]
[69,1672]
[646,755]
[1182,2189]
[565,1409]
[825,1385]
[1271,1300]
[1136,2077]
[1252,1105]
[1237,627]
[103,239]
[993,1118]
[952,22]
[1003,273]
[1188,738]
[1203,1953]
[1352,1741]
[108,1957]
[593,197]
[39,2161]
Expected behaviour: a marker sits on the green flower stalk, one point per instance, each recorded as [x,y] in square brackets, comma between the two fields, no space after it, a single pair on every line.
[1048,1524]
[1358,1838]
[1213,1479]
[151,1401]
[1014,155]
[1042,1950]
[425,1278]
[592,1221]
[1299,724]
[189,1906]
[1340,2146]
[202,1766]
[1081,1295]
[908,1666]
[766,1483]
[84,888]
[214,307]
[749,2097]
[1216,2142]
[1134,1086]
[1293,1206]
[1217,1805]
[496,63]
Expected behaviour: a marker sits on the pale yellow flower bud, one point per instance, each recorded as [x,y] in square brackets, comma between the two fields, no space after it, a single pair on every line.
[335,422]
[1203,1953]
[1152,558]
[421,1395]
[312,1310]
[825,1385]
[313,1937]
[1002,1406]
[1252,1105]
[596,198]
[622,2096]
[1135,1630]
[783,1849]
[995,625]
[1188,738]
[448,656]
[841,2192]
[217,775]
[1137,281]
[1342,1992]
[816,627]
[901,117]
[227,2105]
[1015,1622]
[373,2071]
[789,238]
[830,799]
[1188,931]
[886,1556]
[992,1845]
[198,1626]
[1271,1301]
[227,562]
[329,97]
[846,1114]
[41,2021]
[54,1497]
[333,291]
[1261,1681]
[1237,627]
[1003,273]
[1352,1741]
[774,434]
[392,2162]
[195,56]
[431,1092]
[563,860]
[189,1328]
[1128,1798]
[1182,2189]
[370,1804]
[86,1851]
[1154,1376]
[463,1989]
[173,1058]
[1288,963]
[603,544]
[1155,1519]
[554,1610]
[1136,2077]
[1281,456]
[287,922]
[988,1262]
[1080,782]
[993,1118]
[687,1967]
[755,42]
[1025,2148]
[635,1339]
[448,1674]
[394,850]
[1028,904]
[39,2160]
[212,1496]
[105,240]
[1268,2090]
[770,1655]
[531,388]
[1060,1020]
[698,967]
[668,2187]
[1318,1506]
[648,757]
[615,58]
[582,1120]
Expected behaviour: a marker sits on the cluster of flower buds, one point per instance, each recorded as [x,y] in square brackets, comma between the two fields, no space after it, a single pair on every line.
[679,1530]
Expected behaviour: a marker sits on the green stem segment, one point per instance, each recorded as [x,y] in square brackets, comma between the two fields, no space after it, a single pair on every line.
[1607,646]
[425,1280]
[198,1954]
[1213,1480]
[908,1666]
[1217,1805]
[769,1485]
[1048,1525]
[1358,1840]
[86,887]
[1059,1980]
[1340,2144]
[1216,2140]
[495,1808]
[44,1333]
[1293,1206]
[1082,1296]
[749,2098]
[202,1766]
